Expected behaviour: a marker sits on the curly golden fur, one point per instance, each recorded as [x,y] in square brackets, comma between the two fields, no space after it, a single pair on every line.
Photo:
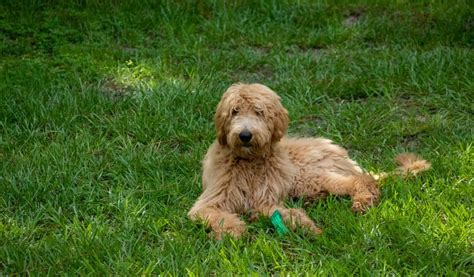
[251,168]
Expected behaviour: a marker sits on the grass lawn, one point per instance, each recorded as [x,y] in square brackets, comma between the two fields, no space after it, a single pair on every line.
[106,111]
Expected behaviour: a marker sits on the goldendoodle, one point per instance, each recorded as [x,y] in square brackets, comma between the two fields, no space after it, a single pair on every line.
[251,168]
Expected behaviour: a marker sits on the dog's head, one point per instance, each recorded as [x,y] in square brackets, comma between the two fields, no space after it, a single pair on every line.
[249,118]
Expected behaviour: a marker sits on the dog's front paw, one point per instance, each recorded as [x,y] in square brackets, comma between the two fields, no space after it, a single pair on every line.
[316,230]
[234,229]
[361,205]
[358,207]
[295,217]
[362,202]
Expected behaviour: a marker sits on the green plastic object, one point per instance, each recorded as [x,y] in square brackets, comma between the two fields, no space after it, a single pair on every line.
[278,223]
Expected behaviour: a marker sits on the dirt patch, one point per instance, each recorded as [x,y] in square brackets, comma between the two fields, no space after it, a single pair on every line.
[259,75]
[312,50]
[410,141]
[115,90]
[260,50]
[130,50]
[309,125]
[308,50]
[353,18]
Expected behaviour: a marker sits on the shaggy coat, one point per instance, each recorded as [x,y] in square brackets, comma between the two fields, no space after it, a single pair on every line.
[251,168]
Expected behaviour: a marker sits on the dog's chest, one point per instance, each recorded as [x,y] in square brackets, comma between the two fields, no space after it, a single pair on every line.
[258,184]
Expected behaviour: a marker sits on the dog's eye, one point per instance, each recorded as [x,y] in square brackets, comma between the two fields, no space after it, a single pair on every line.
[234,111]
[259,112]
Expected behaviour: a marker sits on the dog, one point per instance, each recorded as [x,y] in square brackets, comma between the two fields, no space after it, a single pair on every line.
[251,168]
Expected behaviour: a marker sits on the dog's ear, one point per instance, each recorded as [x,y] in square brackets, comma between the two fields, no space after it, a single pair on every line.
[280,122]
[220,119]
[223,113]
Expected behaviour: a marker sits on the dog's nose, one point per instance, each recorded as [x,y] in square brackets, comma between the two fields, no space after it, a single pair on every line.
[245,136]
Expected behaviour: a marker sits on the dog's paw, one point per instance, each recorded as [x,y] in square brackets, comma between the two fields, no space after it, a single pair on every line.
[362,205]
[362,202]
[316,230]
[297,217]
[358,207]
[234,229]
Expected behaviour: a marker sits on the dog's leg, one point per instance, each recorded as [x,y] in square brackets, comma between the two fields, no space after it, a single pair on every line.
[292,216]
[362,188]
[221,222]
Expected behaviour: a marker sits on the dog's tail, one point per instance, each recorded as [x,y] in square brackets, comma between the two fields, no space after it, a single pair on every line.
[408,164]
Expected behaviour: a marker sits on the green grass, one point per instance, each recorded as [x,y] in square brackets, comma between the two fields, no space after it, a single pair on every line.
[106,112]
